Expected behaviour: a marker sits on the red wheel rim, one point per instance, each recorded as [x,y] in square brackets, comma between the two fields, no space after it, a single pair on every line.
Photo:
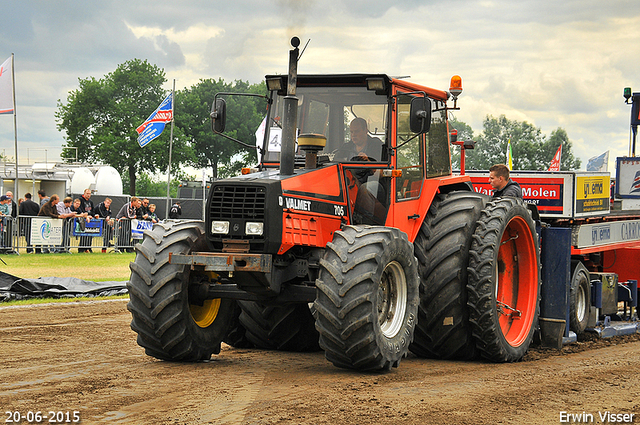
[517,281]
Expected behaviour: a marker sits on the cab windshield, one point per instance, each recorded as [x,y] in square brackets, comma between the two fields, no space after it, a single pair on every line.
[353,119]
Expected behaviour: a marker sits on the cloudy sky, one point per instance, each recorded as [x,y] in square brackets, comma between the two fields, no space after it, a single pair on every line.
[551,63]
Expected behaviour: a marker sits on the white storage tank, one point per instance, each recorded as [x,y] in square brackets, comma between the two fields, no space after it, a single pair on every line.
[82,179]
[108,181]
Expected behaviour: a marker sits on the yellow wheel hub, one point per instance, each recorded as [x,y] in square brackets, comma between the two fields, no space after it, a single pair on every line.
[206,314]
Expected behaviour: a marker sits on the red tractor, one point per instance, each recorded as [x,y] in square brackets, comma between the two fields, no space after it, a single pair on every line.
[353,236]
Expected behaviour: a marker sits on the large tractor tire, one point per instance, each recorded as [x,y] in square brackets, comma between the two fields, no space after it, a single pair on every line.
[286,328]
[367,298]
[442,250]
[579,297]
[504,281]
[169,325]
[237,335]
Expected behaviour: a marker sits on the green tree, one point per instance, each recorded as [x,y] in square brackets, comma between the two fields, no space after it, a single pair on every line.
[531,149]
[465,132]
[568,161]
[244,115]
[492,144]
[101,116]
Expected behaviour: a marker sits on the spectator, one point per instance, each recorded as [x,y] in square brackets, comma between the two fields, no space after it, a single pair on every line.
[65,212]
[5,206]
[176,211]
[14,207]
[76,207]
[43,197]
[28,208]
[50,208]
[64,208]
[79,221]
[127,213]
[143,211]
[502,184]
[103,211]
[86,206]
[152,216]
[129,209]
[5,226]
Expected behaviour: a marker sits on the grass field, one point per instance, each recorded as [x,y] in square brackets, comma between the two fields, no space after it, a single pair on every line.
[95,266]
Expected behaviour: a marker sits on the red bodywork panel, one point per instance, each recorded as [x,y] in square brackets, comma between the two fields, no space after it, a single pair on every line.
[402,214]
[311,207]
[624,262]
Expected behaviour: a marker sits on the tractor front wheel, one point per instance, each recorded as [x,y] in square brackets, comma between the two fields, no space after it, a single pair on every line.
[367,298]
[171,325]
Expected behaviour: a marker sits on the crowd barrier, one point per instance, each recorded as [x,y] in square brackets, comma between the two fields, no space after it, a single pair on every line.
[44,235]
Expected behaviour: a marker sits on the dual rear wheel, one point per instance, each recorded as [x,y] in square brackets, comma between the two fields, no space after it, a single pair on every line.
[504,281]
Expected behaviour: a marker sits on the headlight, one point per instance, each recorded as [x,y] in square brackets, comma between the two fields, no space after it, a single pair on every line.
[253,229]
[220,227]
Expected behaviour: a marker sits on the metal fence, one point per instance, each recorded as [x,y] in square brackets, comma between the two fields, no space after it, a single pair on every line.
[46,235]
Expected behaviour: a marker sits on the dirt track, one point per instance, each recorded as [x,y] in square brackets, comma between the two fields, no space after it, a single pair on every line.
[84,357]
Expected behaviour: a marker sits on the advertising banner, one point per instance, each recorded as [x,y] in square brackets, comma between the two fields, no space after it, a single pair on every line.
[628,177]
[46,231]
[83,227]
[546,192]
[592,193]
[138,227]
[564,194]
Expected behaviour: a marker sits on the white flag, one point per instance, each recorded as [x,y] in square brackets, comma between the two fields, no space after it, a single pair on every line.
[6,88]
[599,163]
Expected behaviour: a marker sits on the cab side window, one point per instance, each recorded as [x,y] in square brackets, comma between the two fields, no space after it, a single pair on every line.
[438,163]
[409,154]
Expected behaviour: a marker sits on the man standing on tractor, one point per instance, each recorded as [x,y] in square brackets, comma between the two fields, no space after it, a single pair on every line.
[502,184]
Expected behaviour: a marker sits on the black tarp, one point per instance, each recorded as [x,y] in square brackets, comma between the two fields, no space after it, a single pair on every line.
[16,288]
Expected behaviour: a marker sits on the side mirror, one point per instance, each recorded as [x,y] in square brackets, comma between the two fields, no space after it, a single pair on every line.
[218,115]
[420,115]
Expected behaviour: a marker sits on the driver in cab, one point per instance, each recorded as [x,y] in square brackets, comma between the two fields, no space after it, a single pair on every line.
[362,146]
[370,205]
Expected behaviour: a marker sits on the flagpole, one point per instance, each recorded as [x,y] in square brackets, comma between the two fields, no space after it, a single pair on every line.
[15,127]
[173,102]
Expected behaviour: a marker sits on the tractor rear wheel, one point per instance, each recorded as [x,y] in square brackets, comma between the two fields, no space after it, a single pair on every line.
[237,335]
[442,250]
[367,298]
[579,297]
[504,281]
[169,324]
[286,328]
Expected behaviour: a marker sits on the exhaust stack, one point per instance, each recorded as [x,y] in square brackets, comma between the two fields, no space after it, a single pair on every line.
[290,115]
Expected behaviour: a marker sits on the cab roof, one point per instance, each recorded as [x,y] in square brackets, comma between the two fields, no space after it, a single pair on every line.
[305,80]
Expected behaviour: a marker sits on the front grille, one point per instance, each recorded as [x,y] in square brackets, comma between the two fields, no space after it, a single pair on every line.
[238,202]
